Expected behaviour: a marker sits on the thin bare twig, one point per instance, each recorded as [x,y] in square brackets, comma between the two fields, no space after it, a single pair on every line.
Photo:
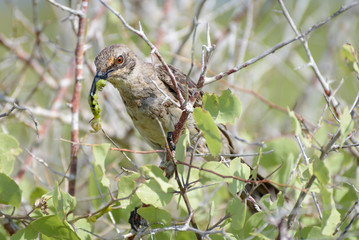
[348,226]
[192,29]
[104,208]
[327,91]
[352,208]
[238,178]
[183,190]
[43,162]
[114,148]
[234,154]
[55,106]
[305,157]
[183,228]
[79,13]
[247,31]
[207,51]
[302,195]
[19,108]
[292,172]
[32,62]
[279,45]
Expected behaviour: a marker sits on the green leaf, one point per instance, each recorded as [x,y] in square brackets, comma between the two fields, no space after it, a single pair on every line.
[209,129]
[220,236]
[349,53]
[10,192]
[252,223]
[321,171]
[181,146]
[229,107]
[298,129]
[295,123]
[156,174]
[215,167]
[284,153]
[356,67]
[52,226]
[27,233]
[240,170]
[156,191]
[151,193]
[37,193]
[331,216]
[9,148]
[271,205]
[211,104]
[84,224]
[351,56]
[211,211]
[63,202]
[125,186]
[155,216]
[346,125]
[280,200]
[2,236]
[95,186]
[312,232]
[100,153]
[238,212]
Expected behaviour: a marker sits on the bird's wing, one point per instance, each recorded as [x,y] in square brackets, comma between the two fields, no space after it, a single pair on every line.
[181,78]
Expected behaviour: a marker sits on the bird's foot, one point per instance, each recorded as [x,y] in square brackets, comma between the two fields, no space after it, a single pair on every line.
[170,142]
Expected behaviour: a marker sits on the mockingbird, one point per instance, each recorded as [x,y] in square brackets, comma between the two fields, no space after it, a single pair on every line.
[152,103]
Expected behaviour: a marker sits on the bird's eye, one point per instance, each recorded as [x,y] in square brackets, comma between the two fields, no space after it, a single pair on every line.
[120,59]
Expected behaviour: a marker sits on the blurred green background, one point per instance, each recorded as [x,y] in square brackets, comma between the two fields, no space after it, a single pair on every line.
[37,59]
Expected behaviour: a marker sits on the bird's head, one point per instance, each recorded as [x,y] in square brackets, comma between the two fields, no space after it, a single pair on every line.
[115,63]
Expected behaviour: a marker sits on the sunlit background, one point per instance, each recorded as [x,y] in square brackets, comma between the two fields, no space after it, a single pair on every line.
[37,43]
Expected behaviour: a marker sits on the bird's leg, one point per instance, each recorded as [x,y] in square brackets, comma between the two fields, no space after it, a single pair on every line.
[136,221]
[167,164]
[170,142]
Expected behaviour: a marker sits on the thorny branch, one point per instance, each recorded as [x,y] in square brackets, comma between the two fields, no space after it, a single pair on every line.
[19,108]
[183,189]
[278,46]
[238,178]
[192,28]
[43,162]
[183,228]
[251,61]
[106,208]
[327,90]
[114,148]
[78,13]
[33,64]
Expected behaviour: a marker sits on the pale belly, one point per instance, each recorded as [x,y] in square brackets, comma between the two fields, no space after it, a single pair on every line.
[154,121]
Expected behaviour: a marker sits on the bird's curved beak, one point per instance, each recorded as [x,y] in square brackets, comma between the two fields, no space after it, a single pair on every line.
[91,98]
[97,77]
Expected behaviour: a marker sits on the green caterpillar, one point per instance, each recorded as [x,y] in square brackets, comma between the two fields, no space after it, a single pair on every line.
[97,85]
